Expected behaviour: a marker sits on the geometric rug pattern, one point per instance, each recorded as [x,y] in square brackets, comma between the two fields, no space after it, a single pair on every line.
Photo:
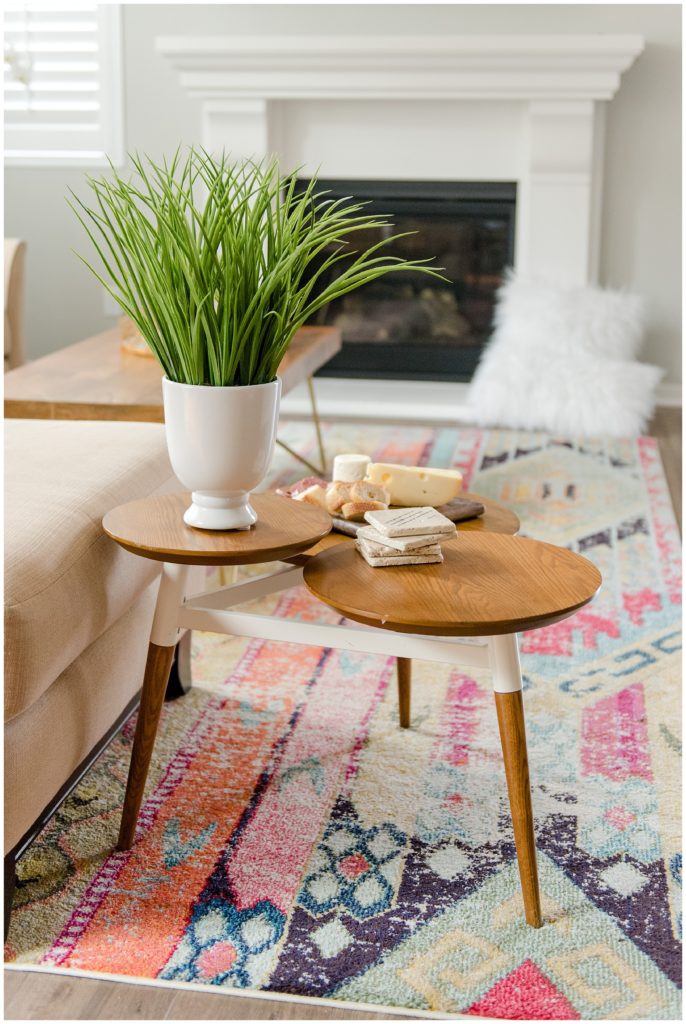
[293,839]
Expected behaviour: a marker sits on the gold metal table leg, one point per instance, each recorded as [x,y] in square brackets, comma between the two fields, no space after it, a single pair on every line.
[317,425]
[319,470]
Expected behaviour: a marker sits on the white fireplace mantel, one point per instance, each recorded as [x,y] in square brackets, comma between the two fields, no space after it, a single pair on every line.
[524,67]
[524,108]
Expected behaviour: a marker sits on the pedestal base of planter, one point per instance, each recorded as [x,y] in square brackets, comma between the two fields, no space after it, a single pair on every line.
[213,512]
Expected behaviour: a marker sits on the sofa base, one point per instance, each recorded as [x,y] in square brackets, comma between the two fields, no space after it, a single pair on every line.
[179,685]
[11,858]
[9,886]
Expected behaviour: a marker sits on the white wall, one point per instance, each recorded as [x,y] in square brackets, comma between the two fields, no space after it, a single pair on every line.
[641,230]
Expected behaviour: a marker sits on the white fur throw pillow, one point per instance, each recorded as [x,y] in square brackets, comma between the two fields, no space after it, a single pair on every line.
[562,360]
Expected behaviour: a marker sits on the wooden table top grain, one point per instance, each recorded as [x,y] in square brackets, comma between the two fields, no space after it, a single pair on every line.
[487,585]
[94,379]
[154,528]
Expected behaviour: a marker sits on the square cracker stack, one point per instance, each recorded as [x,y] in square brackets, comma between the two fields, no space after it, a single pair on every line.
[403,536]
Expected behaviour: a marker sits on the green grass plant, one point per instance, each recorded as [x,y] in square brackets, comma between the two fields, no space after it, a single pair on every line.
[217,262]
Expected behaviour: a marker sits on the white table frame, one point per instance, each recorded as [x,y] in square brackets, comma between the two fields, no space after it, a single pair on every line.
[212,612]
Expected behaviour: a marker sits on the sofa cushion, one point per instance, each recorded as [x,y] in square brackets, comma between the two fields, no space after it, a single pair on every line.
[66,582]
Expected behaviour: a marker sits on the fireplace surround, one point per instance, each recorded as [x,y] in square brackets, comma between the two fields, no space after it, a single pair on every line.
[407,326]
[523,108]
[526,108]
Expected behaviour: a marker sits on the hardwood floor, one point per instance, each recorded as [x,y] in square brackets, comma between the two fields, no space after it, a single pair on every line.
[37,996]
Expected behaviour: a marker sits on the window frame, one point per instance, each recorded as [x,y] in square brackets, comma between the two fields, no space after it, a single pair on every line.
[110,57]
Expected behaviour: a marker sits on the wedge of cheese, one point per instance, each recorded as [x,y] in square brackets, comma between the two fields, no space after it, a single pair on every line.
[416,485]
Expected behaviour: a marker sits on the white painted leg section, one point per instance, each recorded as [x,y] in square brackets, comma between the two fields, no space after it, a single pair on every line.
[170,597]
[504,663]
[195,584]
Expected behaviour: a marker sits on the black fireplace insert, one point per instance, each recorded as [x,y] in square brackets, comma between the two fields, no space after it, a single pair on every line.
[409,326]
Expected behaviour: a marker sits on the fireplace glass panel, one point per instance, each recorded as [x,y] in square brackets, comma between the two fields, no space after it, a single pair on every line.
[408,325]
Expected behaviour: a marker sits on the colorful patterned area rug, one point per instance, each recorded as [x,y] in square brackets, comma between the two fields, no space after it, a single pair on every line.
[295,840]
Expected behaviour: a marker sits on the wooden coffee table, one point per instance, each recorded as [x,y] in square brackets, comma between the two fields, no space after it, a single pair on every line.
[95,380]
[490,586]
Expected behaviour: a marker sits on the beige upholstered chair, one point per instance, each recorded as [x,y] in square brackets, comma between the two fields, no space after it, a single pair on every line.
[15,258]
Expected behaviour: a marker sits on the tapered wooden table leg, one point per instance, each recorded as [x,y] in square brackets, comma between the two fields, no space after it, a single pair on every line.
[154,685]
[513,739]
[404,670]
[163,639]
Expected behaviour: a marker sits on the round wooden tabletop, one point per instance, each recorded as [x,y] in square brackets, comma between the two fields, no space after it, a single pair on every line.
[154,528]
[488,584]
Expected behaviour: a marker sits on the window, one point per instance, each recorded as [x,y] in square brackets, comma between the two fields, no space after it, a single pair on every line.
[62,83]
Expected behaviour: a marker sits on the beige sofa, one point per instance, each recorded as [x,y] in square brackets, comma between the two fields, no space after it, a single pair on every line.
[78,608]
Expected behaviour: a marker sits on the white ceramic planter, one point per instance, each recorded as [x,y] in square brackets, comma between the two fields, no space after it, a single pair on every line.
[220,443]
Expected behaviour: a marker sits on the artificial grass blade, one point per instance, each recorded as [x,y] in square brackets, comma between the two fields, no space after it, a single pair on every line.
[218,287]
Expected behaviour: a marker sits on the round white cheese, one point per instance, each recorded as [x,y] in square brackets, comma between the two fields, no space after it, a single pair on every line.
[349,468]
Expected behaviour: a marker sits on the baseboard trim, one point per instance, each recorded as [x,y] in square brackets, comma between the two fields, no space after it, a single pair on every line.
[406,401]
[348,399]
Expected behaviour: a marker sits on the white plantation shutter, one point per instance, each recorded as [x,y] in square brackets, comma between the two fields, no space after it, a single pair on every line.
[62,83]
